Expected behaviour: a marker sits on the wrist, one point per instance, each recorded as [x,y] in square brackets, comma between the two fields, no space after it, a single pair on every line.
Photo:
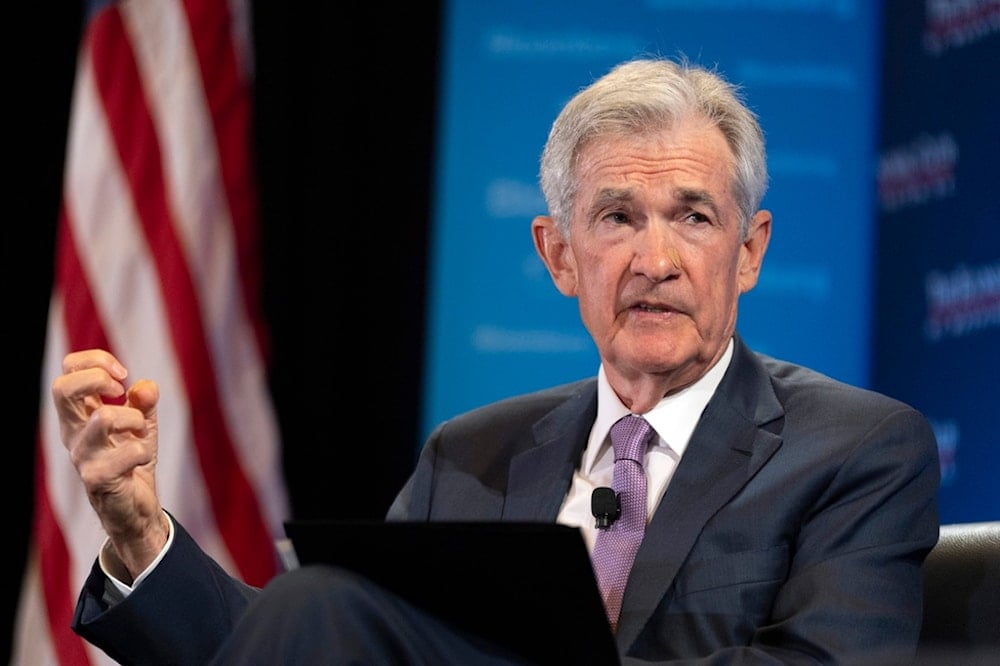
[127,556]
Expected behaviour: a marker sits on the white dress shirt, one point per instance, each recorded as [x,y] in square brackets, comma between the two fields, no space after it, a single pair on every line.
[674,419]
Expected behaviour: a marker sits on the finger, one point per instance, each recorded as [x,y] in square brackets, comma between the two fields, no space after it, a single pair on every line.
[111,433]
[79,393]
[94,358]
[143,395]
[103,469]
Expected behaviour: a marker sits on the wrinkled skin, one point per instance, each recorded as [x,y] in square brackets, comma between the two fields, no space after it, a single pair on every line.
[655,256]
[113,445]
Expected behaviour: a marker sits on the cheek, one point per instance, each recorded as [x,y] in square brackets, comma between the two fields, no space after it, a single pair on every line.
[719,287]
[597,277]
[599,261]
[600,274]
[593,299]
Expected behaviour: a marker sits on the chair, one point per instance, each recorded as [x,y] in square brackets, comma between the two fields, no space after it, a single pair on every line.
[962,596]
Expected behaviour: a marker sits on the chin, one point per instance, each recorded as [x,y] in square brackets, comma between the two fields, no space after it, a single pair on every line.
[658,358]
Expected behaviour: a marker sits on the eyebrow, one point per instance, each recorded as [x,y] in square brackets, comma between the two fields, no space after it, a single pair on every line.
[611,195]
[692,196]
[608,196]
[686,195]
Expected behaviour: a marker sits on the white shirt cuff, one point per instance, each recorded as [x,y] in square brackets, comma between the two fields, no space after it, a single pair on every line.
[124,588]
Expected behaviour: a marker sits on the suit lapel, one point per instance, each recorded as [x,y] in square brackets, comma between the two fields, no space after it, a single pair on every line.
[726,449]
[540,477]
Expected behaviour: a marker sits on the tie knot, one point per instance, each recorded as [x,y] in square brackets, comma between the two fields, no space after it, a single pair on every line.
[629,435]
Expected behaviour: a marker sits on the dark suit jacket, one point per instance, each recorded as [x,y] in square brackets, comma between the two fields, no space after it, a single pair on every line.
[794,528]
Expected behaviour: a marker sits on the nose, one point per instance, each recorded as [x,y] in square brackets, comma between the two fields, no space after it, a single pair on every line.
[655,255]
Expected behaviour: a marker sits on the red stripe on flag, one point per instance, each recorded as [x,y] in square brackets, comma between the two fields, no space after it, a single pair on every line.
[53,564]
[229,104]
[232,497]
[83,324]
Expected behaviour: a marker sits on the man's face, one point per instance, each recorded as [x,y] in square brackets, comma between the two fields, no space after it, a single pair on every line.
[655,255]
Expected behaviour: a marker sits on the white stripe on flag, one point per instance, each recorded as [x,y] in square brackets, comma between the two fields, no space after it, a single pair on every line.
[194,183]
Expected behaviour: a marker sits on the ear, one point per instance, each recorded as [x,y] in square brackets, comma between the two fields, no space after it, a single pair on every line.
[753,249]
[556,253]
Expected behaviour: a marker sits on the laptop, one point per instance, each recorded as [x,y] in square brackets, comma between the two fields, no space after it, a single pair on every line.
[526,586]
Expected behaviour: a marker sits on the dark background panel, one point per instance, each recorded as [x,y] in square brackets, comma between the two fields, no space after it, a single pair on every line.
[41,69]
[345,134]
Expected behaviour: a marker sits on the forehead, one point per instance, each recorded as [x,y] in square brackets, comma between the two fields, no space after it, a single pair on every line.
[689,154]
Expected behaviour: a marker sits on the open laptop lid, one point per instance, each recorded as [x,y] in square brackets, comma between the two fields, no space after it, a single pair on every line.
[527,586]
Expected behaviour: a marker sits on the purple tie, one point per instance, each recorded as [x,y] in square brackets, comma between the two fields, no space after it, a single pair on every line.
[615,548]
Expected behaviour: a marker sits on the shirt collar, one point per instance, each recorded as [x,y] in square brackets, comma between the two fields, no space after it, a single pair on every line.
[674,418]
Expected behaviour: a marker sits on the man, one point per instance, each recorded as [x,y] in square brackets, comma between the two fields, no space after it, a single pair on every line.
[788,514]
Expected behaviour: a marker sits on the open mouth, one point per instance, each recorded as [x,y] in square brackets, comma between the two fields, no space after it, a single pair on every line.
[646,307]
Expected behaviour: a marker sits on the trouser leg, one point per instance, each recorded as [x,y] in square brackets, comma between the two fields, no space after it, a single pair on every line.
[325,615]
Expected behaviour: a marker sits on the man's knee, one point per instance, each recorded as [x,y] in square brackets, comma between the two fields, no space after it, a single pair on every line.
[315,586]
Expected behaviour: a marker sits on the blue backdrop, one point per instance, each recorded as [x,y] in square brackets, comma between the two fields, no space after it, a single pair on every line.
[813,71]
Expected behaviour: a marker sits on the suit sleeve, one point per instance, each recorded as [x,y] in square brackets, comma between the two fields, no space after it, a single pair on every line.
[854,591]
[180,614]
[414,499]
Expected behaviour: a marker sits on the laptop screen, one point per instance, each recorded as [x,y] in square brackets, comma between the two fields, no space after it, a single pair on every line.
[527,586]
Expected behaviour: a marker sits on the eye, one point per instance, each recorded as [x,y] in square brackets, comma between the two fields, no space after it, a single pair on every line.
[697,218]
[617,217]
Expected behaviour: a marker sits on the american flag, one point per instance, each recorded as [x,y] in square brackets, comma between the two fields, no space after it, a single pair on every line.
[156,260]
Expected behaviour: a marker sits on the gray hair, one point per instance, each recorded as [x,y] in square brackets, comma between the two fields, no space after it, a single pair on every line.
[643,96]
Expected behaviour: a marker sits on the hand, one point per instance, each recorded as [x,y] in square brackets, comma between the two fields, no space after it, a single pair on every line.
[113,445]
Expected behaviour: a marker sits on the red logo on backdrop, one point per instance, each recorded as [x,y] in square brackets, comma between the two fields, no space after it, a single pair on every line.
[962,301]
[918,172]
[958,23]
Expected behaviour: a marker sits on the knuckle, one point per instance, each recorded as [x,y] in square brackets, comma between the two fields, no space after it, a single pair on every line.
[58,387]
[103,418]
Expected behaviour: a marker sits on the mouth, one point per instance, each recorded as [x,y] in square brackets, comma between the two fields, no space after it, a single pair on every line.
[652,308]
[647,307]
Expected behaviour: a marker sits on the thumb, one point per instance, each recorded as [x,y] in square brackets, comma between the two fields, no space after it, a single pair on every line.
[143,395]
